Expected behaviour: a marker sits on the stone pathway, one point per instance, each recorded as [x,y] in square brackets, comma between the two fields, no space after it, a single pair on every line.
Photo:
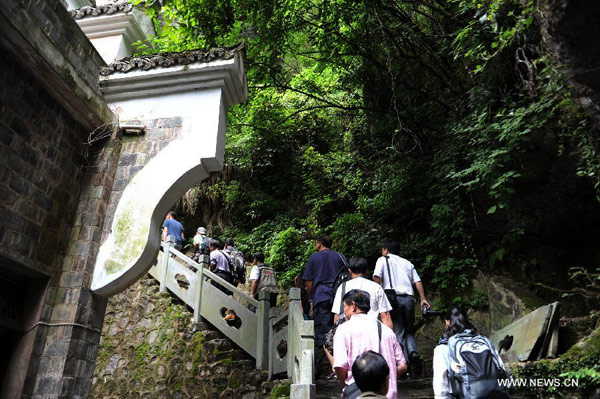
[407,388]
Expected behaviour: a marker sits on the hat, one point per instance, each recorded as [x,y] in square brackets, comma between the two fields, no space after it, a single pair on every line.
[201,230]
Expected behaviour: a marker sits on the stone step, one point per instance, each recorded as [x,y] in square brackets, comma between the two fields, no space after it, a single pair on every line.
[420,388]
[415,388]
[328,389]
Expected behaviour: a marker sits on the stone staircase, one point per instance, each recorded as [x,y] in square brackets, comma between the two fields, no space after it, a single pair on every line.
[407,388]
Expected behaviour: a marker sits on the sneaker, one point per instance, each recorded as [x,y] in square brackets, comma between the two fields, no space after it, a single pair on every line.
[417,365]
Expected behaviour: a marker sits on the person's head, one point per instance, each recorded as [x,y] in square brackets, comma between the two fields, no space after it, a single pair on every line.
[357,265]
[172,215]
[259,257]
[371,373]
[389,247]
[323,242]
[214,244]
[356,301]
[457,321]
[201,230]
[229,242]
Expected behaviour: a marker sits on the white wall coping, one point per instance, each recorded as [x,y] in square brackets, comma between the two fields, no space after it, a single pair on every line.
[226,74]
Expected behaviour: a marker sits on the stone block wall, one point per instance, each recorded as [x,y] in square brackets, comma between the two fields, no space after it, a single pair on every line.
[42,156]
[68,38]
[148,350]
[54,191]
[136,152]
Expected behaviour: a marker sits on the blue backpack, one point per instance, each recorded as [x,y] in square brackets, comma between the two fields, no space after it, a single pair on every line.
[474,368]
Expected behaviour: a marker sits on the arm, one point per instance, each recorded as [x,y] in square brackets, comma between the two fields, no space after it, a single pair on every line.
[213,263]
[341,375]
[386,319]
[336,317]
[378,272]
[441,387]
[401,369]
[421,291]
[253,288]
[309,288]
[164,233]
[329,356]
[401,365]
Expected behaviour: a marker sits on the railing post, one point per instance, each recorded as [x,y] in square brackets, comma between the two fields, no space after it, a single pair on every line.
[203,261]
[301,349]
[262,335]
[294,308]
[167,252]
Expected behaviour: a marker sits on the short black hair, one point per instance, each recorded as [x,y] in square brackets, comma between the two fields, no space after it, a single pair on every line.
[173,214]
[391,246]
[215,243]
[370,371]
[361,299]
[325,240]
[229,242]
[259,256]
[357,265]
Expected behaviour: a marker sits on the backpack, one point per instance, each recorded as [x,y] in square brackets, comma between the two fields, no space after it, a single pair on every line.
[204,247]
[234,276]
[266,280]
[342,275]
[239,267]
[474,368]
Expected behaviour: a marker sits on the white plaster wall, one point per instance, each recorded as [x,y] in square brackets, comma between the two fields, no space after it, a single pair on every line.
[135,237]
[111,48]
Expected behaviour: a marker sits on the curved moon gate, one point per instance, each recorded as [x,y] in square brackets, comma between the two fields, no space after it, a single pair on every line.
[199,94]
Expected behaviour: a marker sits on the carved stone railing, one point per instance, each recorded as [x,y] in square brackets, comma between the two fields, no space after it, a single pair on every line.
[301,350]
[280,341]
[191,282]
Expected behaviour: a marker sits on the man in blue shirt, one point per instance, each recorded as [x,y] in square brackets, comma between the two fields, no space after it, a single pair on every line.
[172,227]
[318,277]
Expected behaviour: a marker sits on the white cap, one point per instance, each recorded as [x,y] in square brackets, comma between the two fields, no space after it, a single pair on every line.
[201,230]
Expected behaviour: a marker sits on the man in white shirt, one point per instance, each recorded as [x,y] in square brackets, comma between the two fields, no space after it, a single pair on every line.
[380,306]
[394,272]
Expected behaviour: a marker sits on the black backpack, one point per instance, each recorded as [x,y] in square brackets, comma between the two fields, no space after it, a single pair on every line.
[342,275]
[234,276]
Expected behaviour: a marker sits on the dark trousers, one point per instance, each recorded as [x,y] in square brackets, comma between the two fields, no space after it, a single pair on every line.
[225,276]
[323,320]
[403,318]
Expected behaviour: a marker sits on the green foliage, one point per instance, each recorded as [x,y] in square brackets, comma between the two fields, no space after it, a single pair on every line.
[280,391]
[585,369]
[441,125]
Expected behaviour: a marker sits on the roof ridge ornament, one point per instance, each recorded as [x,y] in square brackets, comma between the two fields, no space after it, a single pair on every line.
[112,8]
[150,61]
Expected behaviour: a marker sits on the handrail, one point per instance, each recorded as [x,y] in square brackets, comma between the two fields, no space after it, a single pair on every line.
[280,341]
[211,275]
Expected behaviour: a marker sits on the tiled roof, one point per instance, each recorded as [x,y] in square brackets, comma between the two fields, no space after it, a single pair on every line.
[118,6]
[147,62]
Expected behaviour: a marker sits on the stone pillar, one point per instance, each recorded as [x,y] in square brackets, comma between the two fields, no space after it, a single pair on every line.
[68,355]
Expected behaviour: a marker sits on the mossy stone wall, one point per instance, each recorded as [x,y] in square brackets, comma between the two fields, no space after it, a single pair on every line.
[148,350]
